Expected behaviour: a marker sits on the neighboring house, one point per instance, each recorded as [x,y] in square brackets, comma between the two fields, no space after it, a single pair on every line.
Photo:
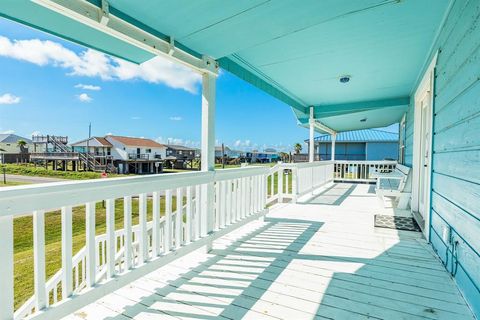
[180,156]
[98,146]
[228,153]
[367,144]
[9,143]
[128,154]
[261,157]
[11,152]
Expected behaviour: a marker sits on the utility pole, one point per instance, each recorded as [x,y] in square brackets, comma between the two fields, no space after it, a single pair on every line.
[223,156]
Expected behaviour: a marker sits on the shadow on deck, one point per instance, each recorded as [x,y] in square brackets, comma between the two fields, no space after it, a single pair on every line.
[315,260]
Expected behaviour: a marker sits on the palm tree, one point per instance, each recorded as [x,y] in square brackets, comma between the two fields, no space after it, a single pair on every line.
[21,144]
[297,147]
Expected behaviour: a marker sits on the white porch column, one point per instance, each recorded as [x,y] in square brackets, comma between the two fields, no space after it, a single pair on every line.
[334,138]
[311,151]
[208,151]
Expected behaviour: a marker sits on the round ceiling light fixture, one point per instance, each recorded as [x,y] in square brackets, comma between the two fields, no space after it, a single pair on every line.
[345,79]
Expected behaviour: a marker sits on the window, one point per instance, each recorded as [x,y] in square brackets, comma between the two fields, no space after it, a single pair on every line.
[179,151]
[148,150]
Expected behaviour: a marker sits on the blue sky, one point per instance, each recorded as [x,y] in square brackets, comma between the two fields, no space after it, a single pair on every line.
[51,86]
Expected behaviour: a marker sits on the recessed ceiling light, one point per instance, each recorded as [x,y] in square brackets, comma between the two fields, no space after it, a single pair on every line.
[345,79]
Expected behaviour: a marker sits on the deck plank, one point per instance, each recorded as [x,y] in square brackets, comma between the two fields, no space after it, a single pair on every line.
[321,260]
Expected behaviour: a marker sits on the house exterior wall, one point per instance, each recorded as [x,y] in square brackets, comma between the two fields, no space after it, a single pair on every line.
[381,150]
[455,206]
[343,151]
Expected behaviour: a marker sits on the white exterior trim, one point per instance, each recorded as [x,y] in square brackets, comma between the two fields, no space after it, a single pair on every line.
[425,85]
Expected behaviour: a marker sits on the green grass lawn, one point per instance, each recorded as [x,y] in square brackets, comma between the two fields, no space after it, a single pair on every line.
[31,170]
[9,183]
[23,240]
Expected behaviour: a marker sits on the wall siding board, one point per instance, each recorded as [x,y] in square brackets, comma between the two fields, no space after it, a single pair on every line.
[462,136]
[456,148]
[463,164]
[458,219]
[468,107]
[463,280]
[460,192]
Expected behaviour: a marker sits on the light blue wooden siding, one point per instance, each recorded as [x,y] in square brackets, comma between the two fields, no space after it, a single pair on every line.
[382,150]
[456,158]
[343,151]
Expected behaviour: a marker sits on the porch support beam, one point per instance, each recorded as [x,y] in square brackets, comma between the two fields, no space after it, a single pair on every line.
[320,126]
[334,138]
[208,152]
[323,111]
[311,151]
[102,18]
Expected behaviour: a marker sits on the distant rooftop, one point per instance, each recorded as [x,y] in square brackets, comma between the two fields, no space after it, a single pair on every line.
[136,142]
[365,135]
[12,138]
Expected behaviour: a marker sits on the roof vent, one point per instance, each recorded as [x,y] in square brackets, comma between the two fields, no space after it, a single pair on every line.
[344,79]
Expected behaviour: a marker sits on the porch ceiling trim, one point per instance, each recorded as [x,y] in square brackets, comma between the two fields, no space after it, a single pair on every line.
[116,24]
[346,108]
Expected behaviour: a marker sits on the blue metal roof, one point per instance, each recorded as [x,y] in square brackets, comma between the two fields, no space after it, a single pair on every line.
[366,135]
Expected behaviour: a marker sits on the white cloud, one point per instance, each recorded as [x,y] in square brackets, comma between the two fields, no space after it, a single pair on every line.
[7,131]
[35,133]
[83,97]
[109,134]
[88,87]
[136,118]
[176,118]
[242,144]
[8,98]
[91,63]
[180,141]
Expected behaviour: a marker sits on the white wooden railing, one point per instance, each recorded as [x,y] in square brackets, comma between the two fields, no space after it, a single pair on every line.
[360,171]
[288,181]
[119,256]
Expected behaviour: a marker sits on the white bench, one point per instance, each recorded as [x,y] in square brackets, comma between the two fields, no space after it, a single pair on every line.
[392,184]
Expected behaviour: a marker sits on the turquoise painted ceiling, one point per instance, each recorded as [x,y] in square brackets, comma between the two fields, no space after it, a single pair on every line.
[294,50]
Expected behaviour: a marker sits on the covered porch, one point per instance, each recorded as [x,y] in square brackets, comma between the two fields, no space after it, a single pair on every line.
[340,65]
[321,258]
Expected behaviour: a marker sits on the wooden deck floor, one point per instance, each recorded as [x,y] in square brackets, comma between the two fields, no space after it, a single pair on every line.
[321,259]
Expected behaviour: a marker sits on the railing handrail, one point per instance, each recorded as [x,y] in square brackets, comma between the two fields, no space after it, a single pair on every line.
[366,161]
[28,198]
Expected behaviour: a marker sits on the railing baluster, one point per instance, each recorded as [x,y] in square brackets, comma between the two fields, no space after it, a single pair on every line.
[41,298]
[188,223]
[67,252]
[228,213]
[142,221]
[90,243]
[127,225]
[233,213]
[223,196]
[156,224]
[6,268]
[179,218]
[168,220]
[197,212]
[218,202]
[110,243]
[239,199]
[280,184]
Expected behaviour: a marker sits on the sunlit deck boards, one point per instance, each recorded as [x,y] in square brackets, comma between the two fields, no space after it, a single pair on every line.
[304,261]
